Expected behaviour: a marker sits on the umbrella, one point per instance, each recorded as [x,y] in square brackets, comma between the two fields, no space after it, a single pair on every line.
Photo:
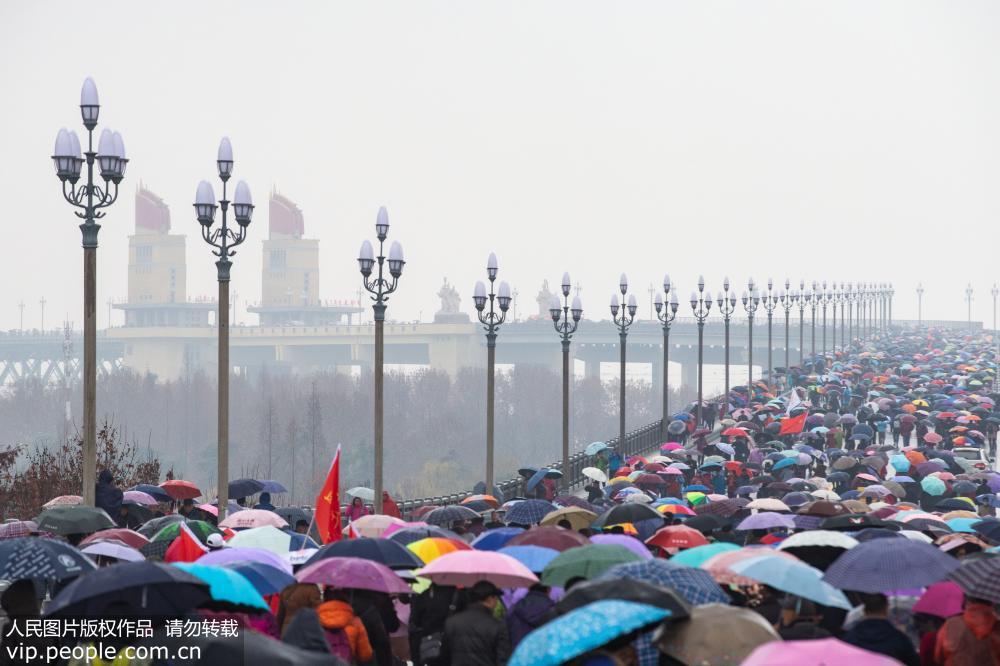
[200,528]
[127,537]
[18,528]
[353,573]
[226,585]
[795,578]
[383,551]
[677,536]
[941,599]
[495,539]
[694,585]
[543,473]
[720,566]
[584,629]
[152,588]
[273,487]
[365,494]
[180,490]
[158,493]
[253,518]
[594,448]
[701,640]
[768,504]
[528,512]
[557,538]
[249,647]
[446,515]
[572,500]
[480,498]
[63,500]
[625,589]
[244,487]
[432,548]
[226,556]
[373,525]
[629,512]
[466,568]
[979,578]
[272,539]
[409,535]
[41,559]
[585,562]
[113,549]
[595,474]
[625,541]
[292,514]
[765,521]
[139,497]
[265,578]
[814,653]
[577,518]
[695,557]
[533,557]
[151,527]
[819,538]
[64,520]
[889,564]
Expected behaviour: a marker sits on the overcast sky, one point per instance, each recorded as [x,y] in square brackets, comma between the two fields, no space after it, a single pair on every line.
[838,141]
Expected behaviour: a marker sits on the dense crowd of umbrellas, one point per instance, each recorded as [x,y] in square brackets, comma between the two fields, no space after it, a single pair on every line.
[864,476]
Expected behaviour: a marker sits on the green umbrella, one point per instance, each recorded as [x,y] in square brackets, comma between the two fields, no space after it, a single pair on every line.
[200,528]
[585,562]
[695,557]
[74,520]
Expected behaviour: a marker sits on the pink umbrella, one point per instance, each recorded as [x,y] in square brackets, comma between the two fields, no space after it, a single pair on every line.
[245,554]
[674,471]
[941,599]
[814,653]
[932,438]
[467,567]
[625,540]
[138,497]
[671,446]
[394,527]
[254,518]
[718,565]
[354,573]
[208,508]
[63,500]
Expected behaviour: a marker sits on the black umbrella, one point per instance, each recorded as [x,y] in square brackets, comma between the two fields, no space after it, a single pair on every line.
[408,535]
[250,648]
[140,512]
[627,589]
[156,492]
[383,551]
[630,512]
[480,489]
[74,520]
[41,559]
[526,472]
[150,588]
[449,514]
[292,514]
[155,551]
[245,487]
[156,524]
[988,529]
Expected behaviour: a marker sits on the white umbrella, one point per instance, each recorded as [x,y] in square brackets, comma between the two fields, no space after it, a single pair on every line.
[768,504]
[366,494]
[595,474]
[118,551]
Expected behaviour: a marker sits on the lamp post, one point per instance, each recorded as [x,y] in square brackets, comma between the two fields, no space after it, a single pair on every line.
[824,300]
[968,301]
[491,320]
[994,292]
[701,305]
[727,306]
[380,287]
[833,322]
[850,297]
[892,291]
[566,328]
[623,322]
[801,297]
[770,302]
[751,300]
[666,315]
[843,302]
[814,296]
[90,198]
[920,304]
[223,239]
[786,297]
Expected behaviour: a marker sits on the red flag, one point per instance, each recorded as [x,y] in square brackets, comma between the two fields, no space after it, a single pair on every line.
[185,548]
[792,425]
[327,514]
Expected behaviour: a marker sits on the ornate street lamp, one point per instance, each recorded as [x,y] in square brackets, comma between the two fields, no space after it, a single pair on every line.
[968,301]
[843,301]
[380,287]
[90,198]
[566,328]
[727,306]
[223,238]
[770,302]
[623,322]
[892,291]
[920,304]
[786,297]
[701,304]
[802,296]
[666,315]
[751,301]
[851,298]
[491,319]
[815,296]
[824,300]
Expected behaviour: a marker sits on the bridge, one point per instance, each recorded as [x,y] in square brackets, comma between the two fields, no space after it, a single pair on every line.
[173,352]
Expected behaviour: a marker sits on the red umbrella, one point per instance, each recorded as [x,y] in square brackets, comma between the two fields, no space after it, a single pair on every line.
[127,537]
[422,511]
[181,490]
[932,438]
[557,538]
[734,432]
[649,480]
[677,536]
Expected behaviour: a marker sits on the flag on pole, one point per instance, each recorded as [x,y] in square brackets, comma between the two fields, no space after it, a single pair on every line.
[792,425]
[327,515]
[185,547]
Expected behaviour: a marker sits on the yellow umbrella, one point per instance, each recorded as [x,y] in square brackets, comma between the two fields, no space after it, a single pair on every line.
[432,548]
[578,517]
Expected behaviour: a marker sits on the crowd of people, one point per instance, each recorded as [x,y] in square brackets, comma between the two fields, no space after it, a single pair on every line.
[844,513]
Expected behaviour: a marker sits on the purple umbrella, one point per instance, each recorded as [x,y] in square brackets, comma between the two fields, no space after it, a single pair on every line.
[245,554]
[631,543]
[994,483]
[765,521]
[929,468]
[355,574]
[139,497]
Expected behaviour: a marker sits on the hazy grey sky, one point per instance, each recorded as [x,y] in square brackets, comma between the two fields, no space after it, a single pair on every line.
[838,140]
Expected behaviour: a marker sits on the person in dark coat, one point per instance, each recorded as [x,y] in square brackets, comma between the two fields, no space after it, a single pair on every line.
[305,632]
[265,502]
[107,495]
[475,637]
[428,612]
[373,612]
[532,611]
[877,634]
[800,620]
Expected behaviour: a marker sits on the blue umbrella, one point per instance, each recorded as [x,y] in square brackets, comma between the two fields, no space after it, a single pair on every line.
[529,512]
[265,578]
[796,578]
[495,539]
[697,488]
[543,473]
[244,487]
[594,448]
[156,492]
[273,487]
[783,463]
[889,564]
[695,585]
[533,557]
[584,629]
[226,585]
